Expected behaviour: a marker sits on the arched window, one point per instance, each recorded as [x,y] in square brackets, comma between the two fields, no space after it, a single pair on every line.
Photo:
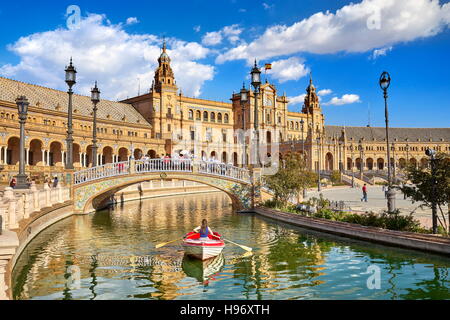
[219,118]
[198,116]
[227,118]
[205,116]
[191,115]
[213,117]
[296,126]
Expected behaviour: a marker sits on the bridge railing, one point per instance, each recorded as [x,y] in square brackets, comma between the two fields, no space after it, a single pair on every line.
[106,171]
[160,165]
[224,170]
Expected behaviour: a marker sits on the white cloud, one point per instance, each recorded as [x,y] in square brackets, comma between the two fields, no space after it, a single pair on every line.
[197,28]
[288,69]
[267,6]
[345,99]
[242,10]
[360,27]
[380,52]
[107,53]
[297,99]
[212,38]
[324,92]
[132,20]
[231,33]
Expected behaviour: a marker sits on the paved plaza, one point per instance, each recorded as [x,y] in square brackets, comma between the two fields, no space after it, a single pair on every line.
[376,201]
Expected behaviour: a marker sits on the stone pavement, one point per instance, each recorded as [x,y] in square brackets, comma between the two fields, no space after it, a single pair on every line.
[377,202]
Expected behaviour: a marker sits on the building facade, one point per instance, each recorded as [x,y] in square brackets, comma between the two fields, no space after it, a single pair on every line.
[164,121]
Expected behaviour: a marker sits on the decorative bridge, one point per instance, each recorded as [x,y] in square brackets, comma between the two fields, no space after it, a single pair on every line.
[93,188]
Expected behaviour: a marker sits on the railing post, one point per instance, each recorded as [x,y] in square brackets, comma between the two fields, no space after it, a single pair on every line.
[47,196]
[196,167]
[60,195]
[12,206]
[35,193]
[132,166]
[26,207]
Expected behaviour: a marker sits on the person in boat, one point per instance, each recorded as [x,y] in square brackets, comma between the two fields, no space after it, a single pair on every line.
[204,230]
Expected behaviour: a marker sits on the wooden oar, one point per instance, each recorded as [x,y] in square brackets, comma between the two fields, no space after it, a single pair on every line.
[248,249]
[166,243]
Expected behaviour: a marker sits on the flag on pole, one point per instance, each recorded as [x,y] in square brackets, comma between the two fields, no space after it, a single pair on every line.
[268,66]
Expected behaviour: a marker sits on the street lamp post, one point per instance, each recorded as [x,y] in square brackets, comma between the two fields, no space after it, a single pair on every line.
[407,154]
[361,162]
[432,154]
[319,187]
[95,98]
[394,164]
[71,80]
[244,100]
[256,83]
[302,124]
[353,167]
[22,106]
[385,82]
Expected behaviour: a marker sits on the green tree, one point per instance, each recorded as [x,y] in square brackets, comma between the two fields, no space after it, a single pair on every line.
[292,177]
[335,177]
[421,186]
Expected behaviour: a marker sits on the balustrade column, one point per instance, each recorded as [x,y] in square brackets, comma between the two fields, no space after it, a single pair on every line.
[27,157]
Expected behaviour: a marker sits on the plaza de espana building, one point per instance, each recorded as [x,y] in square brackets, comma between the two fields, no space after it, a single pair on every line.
[164,121]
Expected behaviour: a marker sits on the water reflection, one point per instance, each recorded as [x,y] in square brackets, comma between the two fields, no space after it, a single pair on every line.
[203,271]
[111,255]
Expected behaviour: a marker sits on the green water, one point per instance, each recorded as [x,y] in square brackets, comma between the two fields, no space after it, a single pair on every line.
[112,255]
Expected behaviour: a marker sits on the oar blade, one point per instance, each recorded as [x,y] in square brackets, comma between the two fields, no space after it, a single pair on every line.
[165,244]
[160,245]
[240,245]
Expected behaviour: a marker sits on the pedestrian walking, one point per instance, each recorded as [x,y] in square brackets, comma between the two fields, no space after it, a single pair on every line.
[385,190]
[13,183]
[364,190]
[55,182]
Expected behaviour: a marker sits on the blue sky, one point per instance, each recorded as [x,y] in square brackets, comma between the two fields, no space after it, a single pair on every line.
[212,43]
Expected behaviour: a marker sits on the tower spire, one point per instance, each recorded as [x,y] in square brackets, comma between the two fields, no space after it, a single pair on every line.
[164,75]
[164,48]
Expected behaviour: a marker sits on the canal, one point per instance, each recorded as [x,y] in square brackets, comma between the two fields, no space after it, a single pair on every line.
[111,255]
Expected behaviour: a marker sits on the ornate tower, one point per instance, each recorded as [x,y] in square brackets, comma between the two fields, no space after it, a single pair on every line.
[164,76]
[311,100]
[316,125]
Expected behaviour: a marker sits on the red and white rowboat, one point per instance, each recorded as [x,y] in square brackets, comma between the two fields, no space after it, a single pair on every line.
[203,249]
